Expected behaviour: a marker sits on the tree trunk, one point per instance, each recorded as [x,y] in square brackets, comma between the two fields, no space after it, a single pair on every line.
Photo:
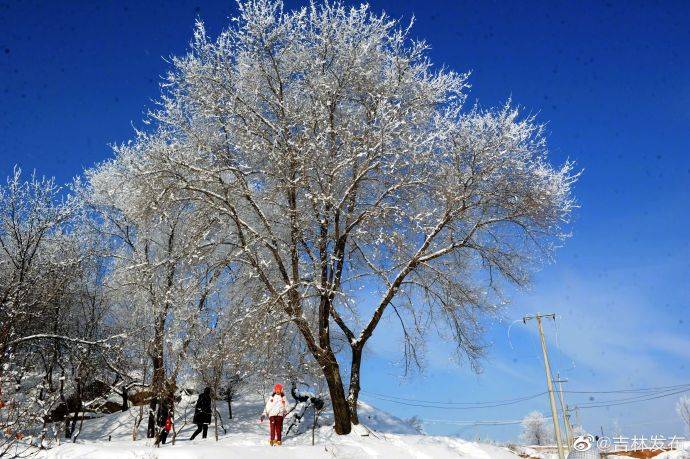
[313,427]
[353,396]
[341,412]
[125,401]
[77,409]
[158,376]
[137,422]
[81,424]
[215,418]
[229,399]
[76,413]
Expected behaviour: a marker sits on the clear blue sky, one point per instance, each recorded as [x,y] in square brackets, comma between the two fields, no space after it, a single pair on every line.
[611,79]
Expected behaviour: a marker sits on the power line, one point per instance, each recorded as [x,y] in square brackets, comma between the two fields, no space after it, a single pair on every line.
[587,405]
[505,422]
[650,391]
[442,402]
[614,402]
[646,389]
[635,397]
[475,423]
[442,407]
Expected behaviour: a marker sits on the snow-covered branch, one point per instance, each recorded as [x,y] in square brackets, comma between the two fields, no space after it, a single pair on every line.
[70,339]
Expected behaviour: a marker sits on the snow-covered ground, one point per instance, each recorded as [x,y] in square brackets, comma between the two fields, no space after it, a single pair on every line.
[390,437]
[110,437]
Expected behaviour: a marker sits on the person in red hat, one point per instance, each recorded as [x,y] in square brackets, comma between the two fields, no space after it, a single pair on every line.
[276,409]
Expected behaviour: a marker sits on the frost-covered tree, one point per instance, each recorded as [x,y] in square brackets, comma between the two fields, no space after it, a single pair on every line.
[416,423]
[53,335]
[161,275]
[32,222]
[334,159]
[578,430]
[535,430]
[683,410]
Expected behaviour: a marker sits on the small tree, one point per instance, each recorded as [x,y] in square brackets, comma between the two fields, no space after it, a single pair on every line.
[683,409]
[535,430]
[416,423]
[231,386]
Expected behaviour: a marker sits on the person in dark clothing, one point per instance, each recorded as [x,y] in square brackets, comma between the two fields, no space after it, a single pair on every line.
[167,428]
[164,420]
[202,414]
[151,427]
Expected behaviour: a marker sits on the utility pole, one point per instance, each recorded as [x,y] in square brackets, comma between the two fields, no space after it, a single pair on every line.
[564,410]
[549,383]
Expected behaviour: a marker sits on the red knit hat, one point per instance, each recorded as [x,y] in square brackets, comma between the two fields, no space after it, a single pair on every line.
[278,388]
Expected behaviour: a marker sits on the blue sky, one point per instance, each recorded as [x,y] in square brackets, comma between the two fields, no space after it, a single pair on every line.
[611,79]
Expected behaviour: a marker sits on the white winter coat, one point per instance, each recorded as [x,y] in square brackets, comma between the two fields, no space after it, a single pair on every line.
[277,405]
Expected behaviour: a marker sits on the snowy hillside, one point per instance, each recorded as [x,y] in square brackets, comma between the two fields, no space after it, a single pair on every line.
[389,437]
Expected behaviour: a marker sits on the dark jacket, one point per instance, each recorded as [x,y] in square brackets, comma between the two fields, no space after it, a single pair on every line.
[162,415]
[202,411]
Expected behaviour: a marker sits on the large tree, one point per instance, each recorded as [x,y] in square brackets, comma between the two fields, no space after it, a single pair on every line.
[335,158]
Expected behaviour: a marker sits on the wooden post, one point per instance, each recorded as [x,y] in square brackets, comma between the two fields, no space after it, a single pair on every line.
[549,382]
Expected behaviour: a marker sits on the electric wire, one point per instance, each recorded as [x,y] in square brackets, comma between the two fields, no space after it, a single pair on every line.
[647,391]
[442,407]
[651,394]
[615,403]
[442,402]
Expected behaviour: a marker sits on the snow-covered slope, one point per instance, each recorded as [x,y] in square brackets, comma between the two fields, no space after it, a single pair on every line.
[389,437]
